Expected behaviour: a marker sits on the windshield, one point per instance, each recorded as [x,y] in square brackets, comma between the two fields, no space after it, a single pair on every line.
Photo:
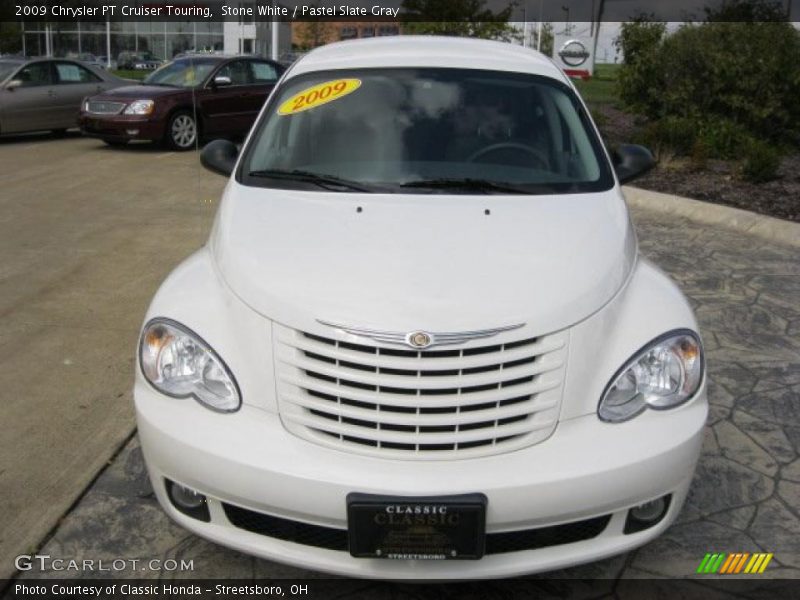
[6,68]
[181,73]
[426,131]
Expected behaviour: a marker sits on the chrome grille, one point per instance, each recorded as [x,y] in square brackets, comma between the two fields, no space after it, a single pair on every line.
[101,107]
[476,400]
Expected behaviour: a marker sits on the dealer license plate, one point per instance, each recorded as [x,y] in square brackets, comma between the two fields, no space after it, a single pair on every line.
[431,528]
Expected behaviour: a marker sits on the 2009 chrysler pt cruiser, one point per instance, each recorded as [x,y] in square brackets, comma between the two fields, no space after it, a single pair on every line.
[420,342]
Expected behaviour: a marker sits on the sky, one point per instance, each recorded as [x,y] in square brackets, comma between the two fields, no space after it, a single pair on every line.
[616,11]
[606,52]
[605,43]
[619,10]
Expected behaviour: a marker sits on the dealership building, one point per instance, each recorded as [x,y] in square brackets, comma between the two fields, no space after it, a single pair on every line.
[162,39]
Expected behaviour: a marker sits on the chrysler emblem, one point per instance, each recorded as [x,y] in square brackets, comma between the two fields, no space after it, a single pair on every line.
[418,339]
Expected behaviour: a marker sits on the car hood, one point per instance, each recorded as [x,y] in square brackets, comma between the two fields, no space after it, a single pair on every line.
[430,262]
[139,92]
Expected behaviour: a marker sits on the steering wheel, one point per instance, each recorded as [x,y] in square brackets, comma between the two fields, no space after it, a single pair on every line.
[540,156]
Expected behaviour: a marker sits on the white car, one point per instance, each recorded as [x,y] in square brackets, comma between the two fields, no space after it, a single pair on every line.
[421,342]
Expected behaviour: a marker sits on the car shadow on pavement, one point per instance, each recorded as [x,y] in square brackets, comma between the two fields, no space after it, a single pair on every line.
[139,147]
[38,137]
[154,147]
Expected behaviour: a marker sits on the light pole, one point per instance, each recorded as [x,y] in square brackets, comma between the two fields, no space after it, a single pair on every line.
[525,24]
[539,29]
[274,44]
[599,24]
[108,43]
[525,28]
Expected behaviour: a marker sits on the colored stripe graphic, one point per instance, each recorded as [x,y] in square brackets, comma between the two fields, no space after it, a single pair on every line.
[731,563]
[754,564]
[727,564]
[764,564]
[741,562]
[711,563]
[737,562]
[703,563]
[718,563]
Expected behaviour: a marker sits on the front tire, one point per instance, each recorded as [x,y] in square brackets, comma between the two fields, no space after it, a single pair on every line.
[182,131]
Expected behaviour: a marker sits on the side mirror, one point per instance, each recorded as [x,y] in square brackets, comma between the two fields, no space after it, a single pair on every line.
[222,81]
[220,157]
[13,84]
[632,161]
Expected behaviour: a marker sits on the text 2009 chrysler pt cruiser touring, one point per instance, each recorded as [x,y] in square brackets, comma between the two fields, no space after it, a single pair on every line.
[421,329]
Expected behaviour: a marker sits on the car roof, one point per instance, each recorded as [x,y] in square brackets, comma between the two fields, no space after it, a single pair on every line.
[427,51]
[38,59]
[200,57]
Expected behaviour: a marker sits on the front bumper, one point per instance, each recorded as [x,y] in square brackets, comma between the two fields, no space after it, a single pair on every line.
[584,470]
[121,127]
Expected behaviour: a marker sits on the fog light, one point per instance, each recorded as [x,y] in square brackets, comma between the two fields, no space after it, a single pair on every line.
[188,501]
[132,132]
[646,515]
[186,497]
[649,511]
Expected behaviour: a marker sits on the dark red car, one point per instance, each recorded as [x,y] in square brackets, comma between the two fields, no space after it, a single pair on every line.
[191,97]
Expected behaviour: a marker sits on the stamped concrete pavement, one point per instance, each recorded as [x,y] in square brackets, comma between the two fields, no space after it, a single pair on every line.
[746,493]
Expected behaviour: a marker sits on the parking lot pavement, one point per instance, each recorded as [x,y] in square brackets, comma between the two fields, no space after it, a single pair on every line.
[86,234]
[746,493]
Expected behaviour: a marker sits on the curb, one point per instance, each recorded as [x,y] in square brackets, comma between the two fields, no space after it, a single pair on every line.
[768,228]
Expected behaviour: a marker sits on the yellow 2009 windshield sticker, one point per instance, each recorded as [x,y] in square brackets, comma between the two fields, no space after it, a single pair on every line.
[322,93]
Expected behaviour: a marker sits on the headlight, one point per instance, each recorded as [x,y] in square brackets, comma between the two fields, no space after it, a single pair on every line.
[177,362]
[140,107]
[665,373]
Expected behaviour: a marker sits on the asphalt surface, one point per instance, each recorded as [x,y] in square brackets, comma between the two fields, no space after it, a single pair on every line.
[81,262]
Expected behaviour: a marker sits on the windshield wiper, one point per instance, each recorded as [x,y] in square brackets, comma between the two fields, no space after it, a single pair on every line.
[467,184]
[325,181]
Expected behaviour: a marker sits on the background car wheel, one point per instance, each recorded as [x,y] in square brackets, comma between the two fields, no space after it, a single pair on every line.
[182,131]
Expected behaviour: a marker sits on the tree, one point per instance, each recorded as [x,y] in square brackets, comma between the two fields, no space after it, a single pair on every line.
[547,39]
[637,81]
[10,38]
[464,18]
[723,80]
[638,37]
[314,33]
[747,11]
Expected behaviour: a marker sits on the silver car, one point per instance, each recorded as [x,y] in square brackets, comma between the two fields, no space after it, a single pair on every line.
[45,94]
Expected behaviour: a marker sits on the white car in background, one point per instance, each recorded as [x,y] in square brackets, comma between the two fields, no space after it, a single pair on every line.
[421,342]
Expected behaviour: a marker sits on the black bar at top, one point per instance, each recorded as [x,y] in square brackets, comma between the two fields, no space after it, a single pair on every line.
[55,11]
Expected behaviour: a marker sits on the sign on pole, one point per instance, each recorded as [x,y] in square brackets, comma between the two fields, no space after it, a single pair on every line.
[573,48]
